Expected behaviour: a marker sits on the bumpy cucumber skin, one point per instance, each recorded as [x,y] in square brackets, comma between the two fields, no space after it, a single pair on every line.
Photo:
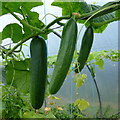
[86,45]
[65,55]
[38,50]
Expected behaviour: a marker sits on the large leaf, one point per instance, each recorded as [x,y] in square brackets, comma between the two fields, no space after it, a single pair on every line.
[13,31]
[18,75]
[82,104]
[100,19]
[15,6]
[79,79]
[29,17]
[67,7]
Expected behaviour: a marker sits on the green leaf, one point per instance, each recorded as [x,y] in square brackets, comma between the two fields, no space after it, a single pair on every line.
[100,64]
[68,7]
[51,60]
[33,19]
[100,19]
[18,74]
[15,6]
[32,114]
[79,79]
[100,29]
[117,13]
[90,58]
[30,17]
[13,31]
[50,115]
[54,97]
[82,104]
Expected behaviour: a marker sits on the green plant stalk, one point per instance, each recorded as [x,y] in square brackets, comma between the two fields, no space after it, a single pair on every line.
[56,20]
[21,42]
[49,14]
[98,92]
[13,76]
[56,34]
[19,49]
[23,14]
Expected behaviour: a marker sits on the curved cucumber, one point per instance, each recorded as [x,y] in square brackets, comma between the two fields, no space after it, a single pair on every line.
[38,51]
[86,45]
[65,55]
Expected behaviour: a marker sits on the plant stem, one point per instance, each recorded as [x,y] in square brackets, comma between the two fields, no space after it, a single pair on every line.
[56,20]
[56,27]
[100,103]
[49,14]
[24,40]
[56,34]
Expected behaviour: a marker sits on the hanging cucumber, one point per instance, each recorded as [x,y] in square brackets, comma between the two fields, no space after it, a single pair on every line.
[86,45]
[65,55]
[38,51]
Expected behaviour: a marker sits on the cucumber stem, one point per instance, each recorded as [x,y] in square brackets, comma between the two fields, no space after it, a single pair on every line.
[98,92]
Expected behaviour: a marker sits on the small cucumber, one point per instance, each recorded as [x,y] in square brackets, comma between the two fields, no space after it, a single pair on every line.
[86,45]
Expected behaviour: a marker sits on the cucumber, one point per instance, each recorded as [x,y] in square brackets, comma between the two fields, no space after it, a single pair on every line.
[38,51]
[86,45]
[65,55]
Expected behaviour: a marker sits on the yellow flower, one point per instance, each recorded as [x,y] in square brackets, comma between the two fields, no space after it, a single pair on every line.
[47,109]
[59,108]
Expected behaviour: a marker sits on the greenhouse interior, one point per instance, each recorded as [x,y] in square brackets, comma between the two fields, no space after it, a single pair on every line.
[59,59]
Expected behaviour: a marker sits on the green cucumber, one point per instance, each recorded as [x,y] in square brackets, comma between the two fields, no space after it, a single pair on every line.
[86,45]
[65,55]
[38,51]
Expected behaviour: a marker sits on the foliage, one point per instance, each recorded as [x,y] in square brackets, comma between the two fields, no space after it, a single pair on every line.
[15,6]
[83,8]
[67,111]
[98,58]
[17,105]
[115,116]
[10,32]
[82,104]
[79,79]
[18,74]
[13,103]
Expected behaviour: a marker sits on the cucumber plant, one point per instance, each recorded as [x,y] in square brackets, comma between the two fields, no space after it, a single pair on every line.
[32,27]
